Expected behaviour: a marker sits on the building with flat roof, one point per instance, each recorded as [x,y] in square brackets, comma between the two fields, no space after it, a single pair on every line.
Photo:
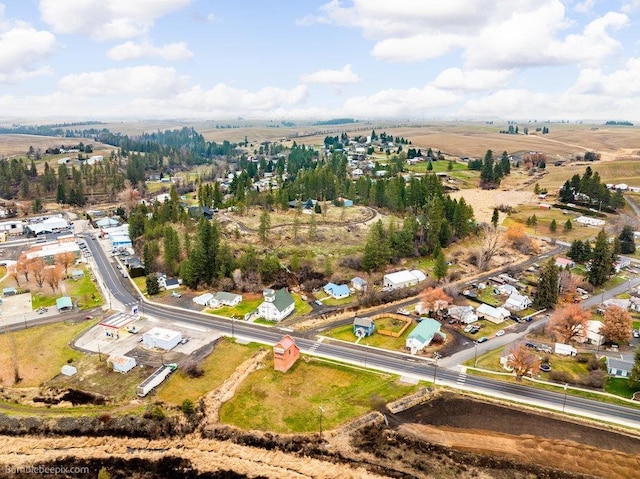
[161,338]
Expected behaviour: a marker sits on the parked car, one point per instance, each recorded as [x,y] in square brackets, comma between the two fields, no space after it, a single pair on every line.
[468,328]
[175,294]
[474,330]
[318,302]
[403,311]
[500,332]
[184,340]
[636,334]
[483,339]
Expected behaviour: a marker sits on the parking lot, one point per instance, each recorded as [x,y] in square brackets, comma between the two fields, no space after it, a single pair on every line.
[129,344]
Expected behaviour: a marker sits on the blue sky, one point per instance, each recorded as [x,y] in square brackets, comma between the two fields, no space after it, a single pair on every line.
[288,59]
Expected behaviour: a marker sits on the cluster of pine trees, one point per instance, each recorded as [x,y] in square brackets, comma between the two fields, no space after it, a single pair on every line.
[491,172]
[600,257]
[589,190]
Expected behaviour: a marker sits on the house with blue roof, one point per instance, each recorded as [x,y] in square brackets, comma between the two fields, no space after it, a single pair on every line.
[423,334]
[337,291]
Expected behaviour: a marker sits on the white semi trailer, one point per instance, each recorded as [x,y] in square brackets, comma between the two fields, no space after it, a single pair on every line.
[155,379]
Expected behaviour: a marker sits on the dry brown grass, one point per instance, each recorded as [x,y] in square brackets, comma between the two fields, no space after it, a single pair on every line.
[562,455]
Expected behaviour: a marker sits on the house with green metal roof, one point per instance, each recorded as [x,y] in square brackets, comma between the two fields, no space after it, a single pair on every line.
[423,334]
[277,305]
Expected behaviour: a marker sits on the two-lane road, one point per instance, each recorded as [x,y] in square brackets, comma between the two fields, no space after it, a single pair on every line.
[370,358]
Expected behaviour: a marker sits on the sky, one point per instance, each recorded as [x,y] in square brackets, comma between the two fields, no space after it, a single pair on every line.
[290,59]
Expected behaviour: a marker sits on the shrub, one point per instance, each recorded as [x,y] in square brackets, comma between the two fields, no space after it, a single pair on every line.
[583,358]
[561,377]
[192,369]
[594,364]
[595,379]
[187,407]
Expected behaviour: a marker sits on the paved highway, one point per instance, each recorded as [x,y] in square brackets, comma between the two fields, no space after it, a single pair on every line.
[370,358]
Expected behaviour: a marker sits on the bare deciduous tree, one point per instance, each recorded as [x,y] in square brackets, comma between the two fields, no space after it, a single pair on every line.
[37,266]
[567,285]
[522,361]
[435,300]
[490,244]
[568,323]
[53,276]
[14,273]
[129,197]
[65,260]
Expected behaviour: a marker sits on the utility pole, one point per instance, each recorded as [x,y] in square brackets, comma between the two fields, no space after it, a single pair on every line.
[435,370]
[475,358]
[233,323]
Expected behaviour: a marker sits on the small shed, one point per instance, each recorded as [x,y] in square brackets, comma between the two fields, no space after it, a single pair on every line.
[161,338]
[285,353]
[121,364]
[68,370]
[76,274]
[64,304]
[359,284]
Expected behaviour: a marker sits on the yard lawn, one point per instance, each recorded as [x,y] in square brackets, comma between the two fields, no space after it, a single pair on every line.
[141,283]
[339,302]
[83,291]
[342,392]
[301,307]
[389,324]
[37,364]
[619,387]
[245,306]
[487,296]
[345,333]
[39,300]
[217,366]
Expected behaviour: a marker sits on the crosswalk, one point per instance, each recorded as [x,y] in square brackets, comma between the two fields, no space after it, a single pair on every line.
[462,377]
[315,345]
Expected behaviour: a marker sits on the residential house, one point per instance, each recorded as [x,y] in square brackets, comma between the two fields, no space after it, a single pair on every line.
[285,353]
[402,279]
[589,221]
[517,302]
[222,298]
[563,263]
[337,291]
[619,368]
[463,314]
[203,299]
[359,284]
[363,326]
[635,303]
[201,211]
[277,305]
[507,289]
[495,315]
[621,263]
[168,283]
[619,302]
[64,304]
[422,335]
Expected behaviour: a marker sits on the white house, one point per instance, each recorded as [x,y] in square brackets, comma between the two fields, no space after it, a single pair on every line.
[161,198]
[422,335]
[507,289]
[121,364]
[168,283]
[203,299]
[222,298]
[402,279]
[592,334]
[619,368]
[277,305]
[621,263]
[359,284]
[562,263]
[495,315]
[589,221]
[464,314]
[517,302]
[619,302]
[161,338]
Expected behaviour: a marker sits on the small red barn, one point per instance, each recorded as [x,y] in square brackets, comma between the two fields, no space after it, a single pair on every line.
[285,354]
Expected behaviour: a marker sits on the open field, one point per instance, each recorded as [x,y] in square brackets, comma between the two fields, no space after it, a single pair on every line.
[342,392]
[217,367]
[37,363]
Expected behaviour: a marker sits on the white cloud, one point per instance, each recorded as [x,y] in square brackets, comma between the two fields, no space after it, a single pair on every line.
[471,80]
[584,7]
[620,84]
[22,49]
[412,102]
[106,19]
[131,50]
[345,76]
[145,80]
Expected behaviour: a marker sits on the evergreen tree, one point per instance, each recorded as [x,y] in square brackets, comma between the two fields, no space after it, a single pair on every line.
[269,268]
[450,166]
[440,267]
[566,193]
[553,226]
[313,228]
[152,284]
[265,225]
[376,251]
[627,241]
[601,264]
[568,226]
[634,376]
[495,217]
[547,293]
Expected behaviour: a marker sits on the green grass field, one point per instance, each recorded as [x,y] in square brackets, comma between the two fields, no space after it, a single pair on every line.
[217,366]
[84,291]
[244,307]
[345,333]
[342,392]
